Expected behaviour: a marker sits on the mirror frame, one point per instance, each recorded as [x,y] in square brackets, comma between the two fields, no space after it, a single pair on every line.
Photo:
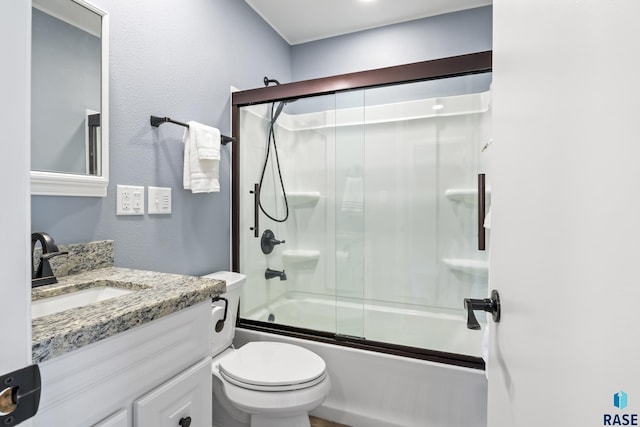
[67,184]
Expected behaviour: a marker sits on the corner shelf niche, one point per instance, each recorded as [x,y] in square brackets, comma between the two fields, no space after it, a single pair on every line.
[469,266]
[297,257]
[303,199]
[464,195]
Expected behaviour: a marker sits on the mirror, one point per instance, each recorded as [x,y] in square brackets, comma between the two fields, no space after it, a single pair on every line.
[69,99]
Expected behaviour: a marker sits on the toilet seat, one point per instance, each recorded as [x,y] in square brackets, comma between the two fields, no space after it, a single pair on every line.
[272,366]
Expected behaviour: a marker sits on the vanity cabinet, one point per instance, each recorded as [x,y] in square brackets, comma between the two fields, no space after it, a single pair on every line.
[182,401]
[143,377]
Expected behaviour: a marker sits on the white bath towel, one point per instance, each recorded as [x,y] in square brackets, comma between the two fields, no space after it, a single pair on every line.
[201,158]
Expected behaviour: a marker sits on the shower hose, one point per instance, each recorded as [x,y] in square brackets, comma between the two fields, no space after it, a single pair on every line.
[271,139]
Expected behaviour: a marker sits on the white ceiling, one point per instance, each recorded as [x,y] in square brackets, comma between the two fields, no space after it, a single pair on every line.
[300,21]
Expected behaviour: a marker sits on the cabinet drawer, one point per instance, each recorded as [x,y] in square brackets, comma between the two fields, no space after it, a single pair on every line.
[188,395]
[119,419]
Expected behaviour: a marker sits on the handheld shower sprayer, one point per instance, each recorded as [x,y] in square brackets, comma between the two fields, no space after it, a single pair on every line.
[271,139]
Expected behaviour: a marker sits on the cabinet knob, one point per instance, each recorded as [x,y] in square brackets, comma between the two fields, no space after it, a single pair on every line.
[185,422]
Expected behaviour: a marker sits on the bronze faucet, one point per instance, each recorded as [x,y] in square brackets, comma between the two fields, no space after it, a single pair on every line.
[44,274]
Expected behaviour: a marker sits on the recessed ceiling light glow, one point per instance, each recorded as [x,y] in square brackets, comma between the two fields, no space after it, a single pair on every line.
[438,107]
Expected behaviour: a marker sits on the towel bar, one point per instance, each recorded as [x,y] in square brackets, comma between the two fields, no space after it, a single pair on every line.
[157,121]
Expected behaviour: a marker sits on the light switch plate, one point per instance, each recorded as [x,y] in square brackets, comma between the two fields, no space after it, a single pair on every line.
[129,200]
[159,200]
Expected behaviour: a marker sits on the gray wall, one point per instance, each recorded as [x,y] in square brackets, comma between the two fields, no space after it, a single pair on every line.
[179,61]
[420,40]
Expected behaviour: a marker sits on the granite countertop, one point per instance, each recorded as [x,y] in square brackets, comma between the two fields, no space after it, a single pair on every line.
[157,295]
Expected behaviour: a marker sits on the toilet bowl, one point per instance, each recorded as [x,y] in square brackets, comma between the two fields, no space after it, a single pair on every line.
[261,384]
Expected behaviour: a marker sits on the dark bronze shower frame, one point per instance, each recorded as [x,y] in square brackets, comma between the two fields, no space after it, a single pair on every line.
[454,66]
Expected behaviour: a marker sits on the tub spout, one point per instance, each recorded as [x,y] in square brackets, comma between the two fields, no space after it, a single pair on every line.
[270,274]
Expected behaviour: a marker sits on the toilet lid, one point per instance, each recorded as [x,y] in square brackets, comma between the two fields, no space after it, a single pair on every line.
[272,366]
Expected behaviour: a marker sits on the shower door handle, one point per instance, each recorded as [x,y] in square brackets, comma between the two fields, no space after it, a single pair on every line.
[481,212]
[256,210]
[490,305]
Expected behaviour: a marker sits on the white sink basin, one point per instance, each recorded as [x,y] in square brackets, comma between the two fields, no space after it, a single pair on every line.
[58,303]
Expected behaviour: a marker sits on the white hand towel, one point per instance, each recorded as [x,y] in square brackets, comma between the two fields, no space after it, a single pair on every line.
[207,141]
[201,158]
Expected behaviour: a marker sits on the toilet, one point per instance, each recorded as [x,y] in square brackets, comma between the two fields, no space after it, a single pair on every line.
[261,384]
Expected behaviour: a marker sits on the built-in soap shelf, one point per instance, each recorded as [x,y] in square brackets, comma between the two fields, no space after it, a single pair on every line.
[303,199]
[300,256]
[469,266]
[464,195]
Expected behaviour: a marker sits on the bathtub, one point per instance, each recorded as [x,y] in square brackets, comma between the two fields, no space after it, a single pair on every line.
[429,328]
[370,389]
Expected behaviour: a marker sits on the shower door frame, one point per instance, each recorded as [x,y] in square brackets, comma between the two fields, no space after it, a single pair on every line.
[455,66]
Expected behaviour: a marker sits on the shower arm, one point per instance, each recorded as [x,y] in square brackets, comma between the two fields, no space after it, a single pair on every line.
[267,81]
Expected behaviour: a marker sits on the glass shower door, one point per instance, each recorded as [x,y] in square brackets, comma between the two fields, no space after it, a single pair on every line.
[422,152]
[304,296]
[349,214]
[380,240]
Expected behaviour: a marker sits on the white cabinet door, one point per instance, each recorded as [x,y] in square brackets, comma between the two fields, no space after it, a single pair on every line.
[188,395]
[119,419]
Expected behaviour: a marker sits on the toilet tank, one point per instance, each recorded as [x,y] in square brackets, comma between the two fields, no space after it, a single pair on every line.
[235,281]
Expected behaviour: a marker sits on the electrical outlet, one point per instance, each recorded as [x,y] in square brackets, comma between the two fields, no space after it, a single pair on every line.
[129,200]
[159,200]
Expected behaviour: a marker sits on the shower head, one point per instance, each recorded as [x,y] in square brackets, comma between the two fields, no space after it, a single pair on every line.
[267,81]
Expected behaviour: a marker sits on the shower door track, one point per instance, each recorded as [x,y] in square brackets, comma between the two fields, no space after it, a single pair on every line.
[455,66]
[364,344]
